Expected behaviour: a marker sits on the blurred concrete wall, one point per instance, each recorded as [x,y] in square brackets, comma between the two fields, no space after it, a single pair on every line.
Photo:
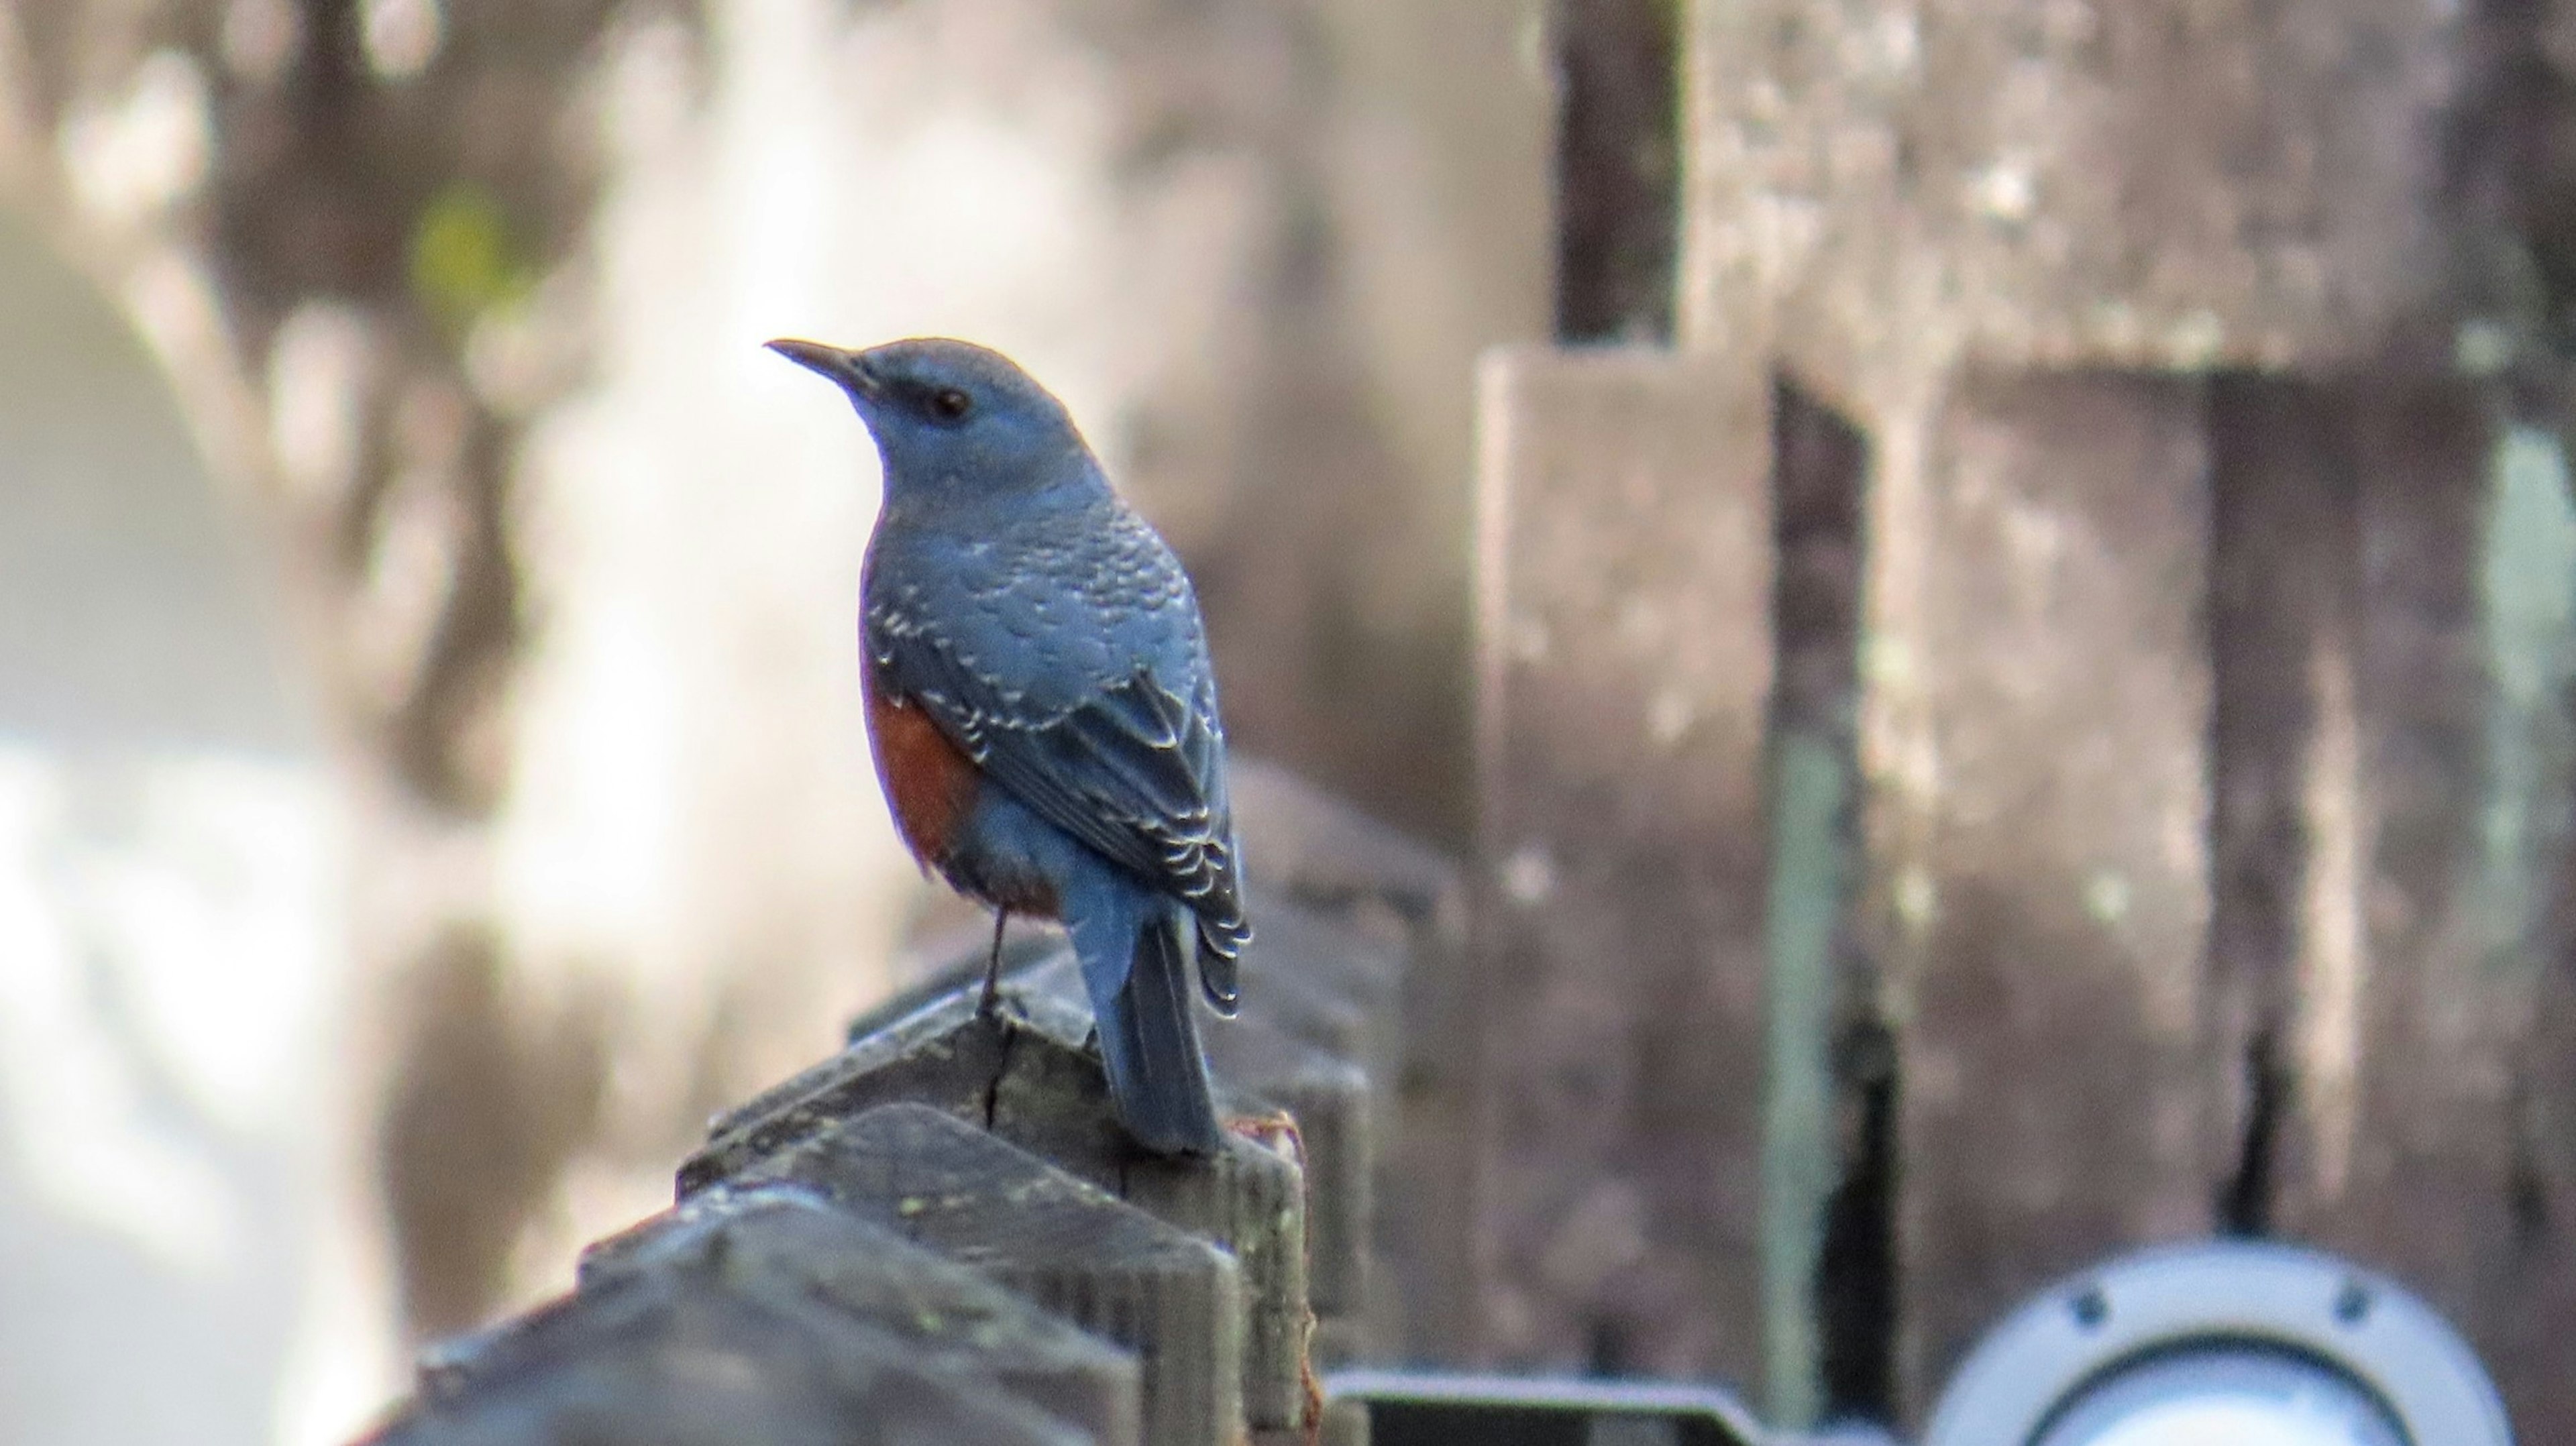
[462,303]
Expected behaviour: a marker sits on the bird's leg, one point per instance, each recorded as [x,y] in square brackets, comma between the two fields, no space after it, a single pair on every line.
[993,967]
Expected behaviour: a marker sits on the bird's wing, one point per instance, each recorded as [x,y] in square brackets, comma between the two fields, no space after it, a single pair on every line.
[1101,718]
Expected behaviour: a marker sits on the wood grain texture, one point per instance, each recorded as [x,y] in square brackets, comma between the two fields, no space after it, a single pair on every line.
[786,1243]
[679,1360]
[2035,718]
[1169,1296]
[1394,951]
[2428,1035]
[1269,1059]
[1026,1077]
[1624,665]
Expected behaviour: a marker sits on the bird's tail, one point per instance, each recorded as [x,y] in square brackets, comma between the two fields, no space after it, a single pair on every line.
[1149,1039]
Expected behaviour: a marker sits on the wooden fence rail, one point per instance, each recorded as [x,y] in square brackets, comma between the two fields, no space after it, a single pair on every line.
[939,1233]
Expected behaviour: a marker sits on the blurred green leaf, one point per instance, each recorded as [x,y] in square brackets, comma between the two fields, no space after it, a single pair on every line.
[464,259]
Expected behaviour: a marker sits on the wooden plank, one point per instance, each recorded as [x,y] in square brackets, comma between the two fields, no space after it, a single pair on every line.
[1251,1200]
[2283,609]
[1624,659]
[1172,1298]
[1338,987]
[658,1357]
[1263,1066]
[1326,1097]
[927,1054]
[1311,848]
[2164,184]
[1026,1076]
[1308,849]
[791,1244]
[1319,999]
[1342,904]
[2428,1050]
[2036,696]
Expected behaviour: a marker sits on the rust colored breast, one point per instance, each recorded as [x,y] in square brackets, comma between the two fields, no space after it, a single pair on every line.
[928,782]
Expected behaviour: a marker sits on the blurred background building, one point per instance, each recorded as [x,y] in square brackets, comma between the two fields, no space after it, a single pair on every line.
[430,769]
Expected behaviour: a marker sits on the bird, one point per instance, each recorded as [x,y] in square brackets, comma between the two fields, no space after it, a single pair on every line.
[1043,710]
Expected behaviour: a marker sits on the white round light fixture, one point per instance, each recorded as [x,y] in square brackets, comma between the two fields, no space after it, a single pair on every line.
[2226,1344]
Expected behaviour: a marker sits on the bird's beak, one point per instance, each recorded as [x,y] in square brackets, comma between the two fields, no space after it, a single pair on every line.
[841,366]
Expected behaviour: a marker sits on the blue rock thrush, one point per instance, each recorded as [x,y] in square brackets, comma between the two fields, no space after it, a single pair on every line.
[1042,707]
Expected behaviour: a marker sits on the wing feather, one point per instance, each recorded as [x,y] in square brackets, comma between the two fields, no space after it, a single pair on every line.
[1133,765]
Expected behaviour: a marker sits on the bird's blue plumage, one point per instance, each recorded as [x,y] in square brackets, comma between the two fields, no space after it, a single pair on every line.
[1055,641]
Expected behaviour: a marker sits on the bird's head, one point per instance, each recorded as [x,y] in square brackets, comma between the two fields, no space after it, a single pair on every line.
[953,421]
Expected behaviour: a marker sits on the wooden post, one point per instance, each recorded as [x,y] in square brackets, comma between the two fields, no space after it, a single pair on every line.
[693,1361]
[1294,1048]
[2078,276]
[1105,1265]
[2039,696]
[1025,1076]
[2422,1058]
[1323,1035]
[942,1230]
[1406,903]
[1624,579]
[794,1244]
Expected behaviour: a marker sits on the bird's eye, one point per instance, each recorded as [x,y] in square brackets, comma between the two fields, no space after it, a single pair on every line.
[950,405]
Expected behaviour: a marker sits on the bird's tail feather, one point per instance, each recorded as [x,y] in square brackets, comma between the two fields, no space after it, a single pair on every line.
[1220,978]
[1149,1038]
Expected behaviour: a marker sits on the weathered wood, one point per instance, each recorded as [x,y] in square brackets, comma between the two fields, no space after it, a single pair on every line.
[1874,190]
[1172,1298]
[790,1243]
[1314,851]
[2282,612]
[1026,1076]
[2394,776]
[1265,1068]
[1252,1201]
[1332,982]
[1320,999]
[912,1129]
[1624,581]
[671,1359]
[1326,1098]
[2423,1058]
[1903,203]
[2036,716]
[956,1069]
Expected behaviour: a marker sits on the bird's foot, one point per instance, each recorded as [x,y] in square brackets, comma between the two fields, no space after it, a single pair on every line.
[1276,1132]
